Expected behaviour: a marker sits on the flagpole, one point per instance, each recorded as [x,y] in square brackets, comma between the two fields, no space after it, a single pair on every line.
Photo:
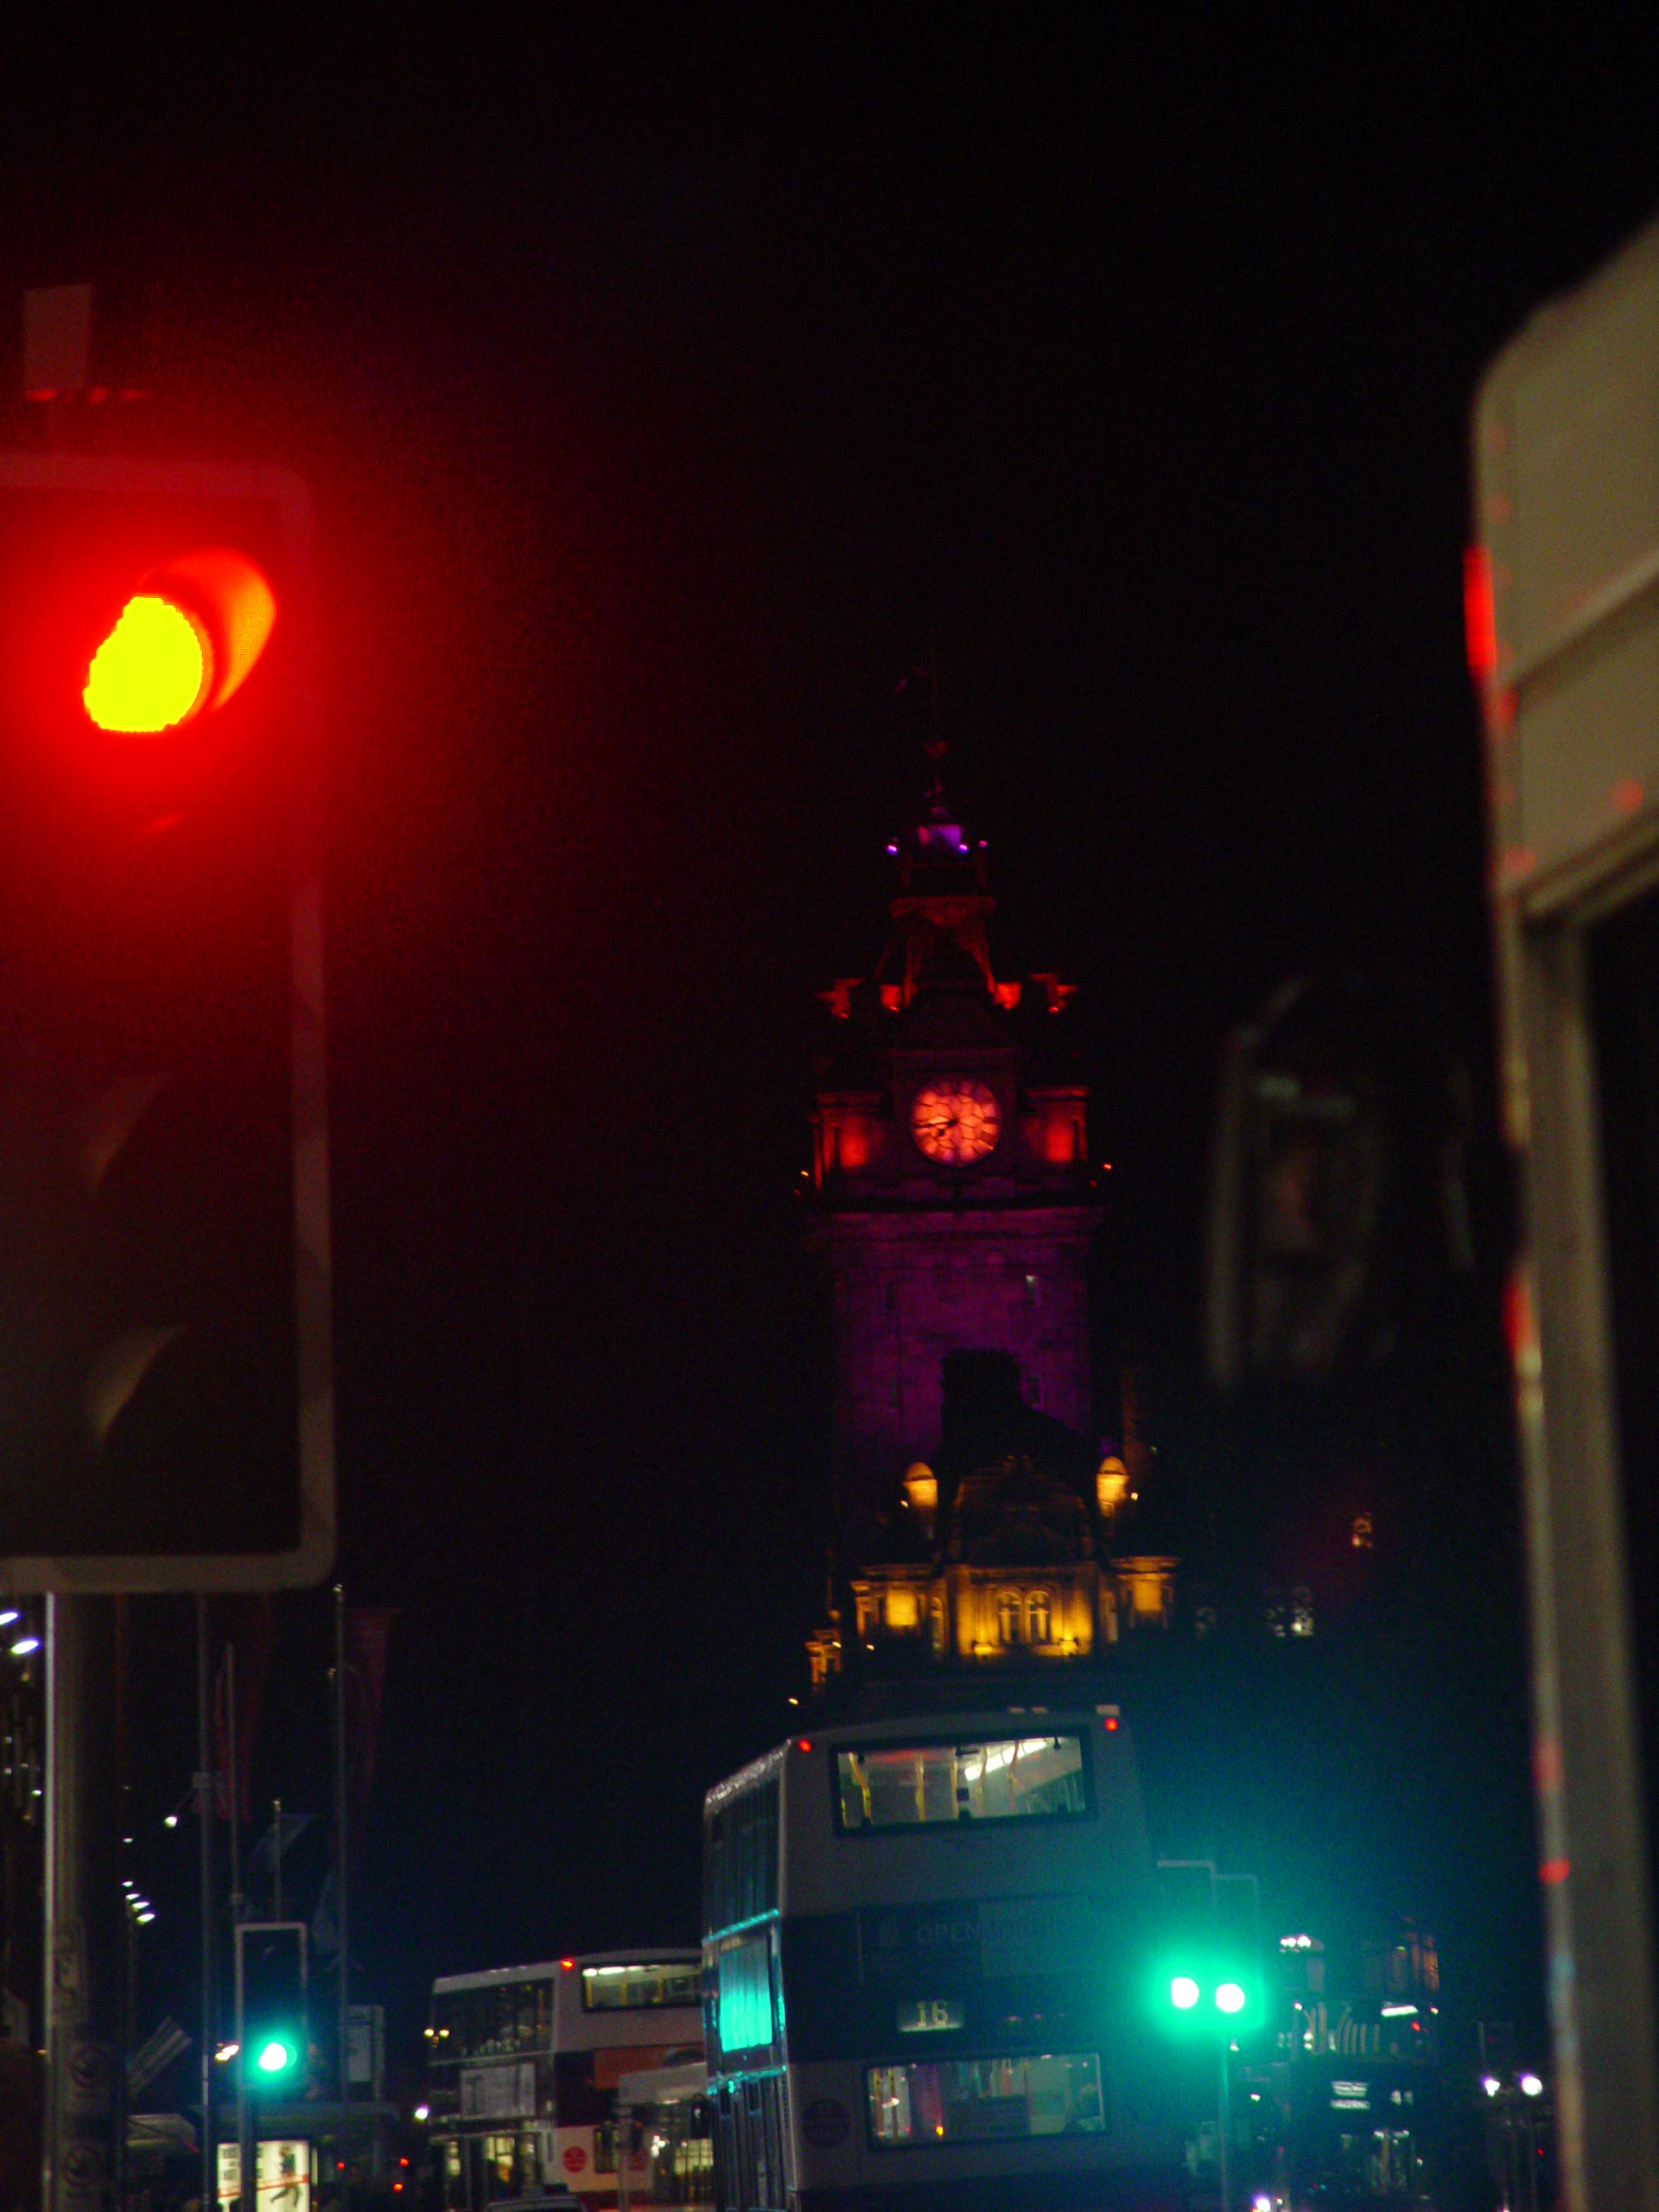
[204,1824]
[342,1857]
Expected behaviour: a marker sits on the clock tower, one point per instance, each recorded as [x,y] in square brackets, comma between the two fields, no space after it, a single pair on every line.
[955,1207]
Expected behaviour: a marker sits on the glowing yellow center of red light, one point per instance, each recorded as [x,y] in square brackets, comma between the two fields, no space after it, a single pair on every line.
[152,670]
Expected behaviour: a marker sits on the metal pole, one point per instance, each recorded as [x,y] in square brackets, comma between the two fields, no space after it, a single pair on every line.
[341,1869]
[1223,2115]
[83,1939]
[205,1832]
[276,1857]
[247,2153]
[244,2187]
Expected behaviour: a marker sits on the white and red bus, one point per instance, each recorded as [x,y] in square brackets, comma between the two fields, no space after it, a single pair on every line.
[524,2063]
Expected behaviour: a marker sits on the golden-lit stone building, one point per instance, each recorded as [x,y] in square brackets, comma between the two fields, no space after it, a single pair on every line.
[955,1210]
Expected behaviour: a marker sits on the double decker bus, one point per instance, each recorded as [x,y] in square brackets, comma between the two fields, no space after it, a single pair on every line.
[925,1972]
[524,2063]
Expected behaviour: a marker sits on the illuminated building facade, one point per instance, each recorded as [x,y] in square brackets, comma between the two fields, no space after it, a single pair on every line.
[956,1207]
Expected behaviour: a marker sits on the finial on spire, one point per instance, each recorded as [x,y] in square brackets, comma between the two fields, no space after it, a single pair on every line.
[938,831]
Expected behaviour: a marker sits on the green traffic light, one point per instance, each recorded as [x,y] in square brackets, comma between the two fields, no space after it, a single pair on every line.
[276,2056]
[1229,1998]
[1183,1992]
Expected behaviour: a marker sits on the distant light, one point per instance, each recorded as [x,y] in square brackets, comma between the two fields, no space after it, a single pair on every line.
[1259,2203]
[892,848]
[1531,2086]
[1229,1998]
[276,2056]
[10,1614]
[1490,2083]
[794,1700]
[171,1822]
[803,1743]
[1399,2011]
[1111,1724]
[145,1919]
[24,1645]
[566,1964]
[423,2112]
[226,2052]
[1183,1992]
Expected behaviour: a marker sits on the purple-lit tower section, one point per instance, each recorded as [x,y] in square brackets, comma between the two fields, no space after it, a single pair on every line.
[956,1204]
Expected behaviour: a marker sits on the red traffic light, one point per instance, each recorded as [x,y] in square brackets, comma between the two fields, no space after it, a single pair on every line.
[183,643]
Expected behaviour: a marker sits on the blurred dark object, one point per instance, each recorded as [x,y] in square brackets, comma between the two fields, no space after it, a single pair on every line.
[1339,1211]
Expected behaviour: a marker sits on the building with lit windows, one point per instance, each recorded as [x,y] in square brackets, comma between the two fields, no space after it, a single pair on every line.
[956,1205]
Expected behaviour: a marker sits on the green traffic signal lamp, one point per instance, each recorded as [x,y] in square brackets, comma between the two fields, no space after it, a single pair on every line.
[273,2058]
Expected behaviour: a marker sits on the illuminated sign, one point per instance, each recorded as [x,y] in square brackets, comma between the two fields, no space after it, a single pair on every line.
[926,2015]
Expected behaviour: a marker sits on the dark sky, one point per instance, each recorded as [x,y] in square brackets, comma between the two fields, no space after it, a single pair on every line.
[665,378]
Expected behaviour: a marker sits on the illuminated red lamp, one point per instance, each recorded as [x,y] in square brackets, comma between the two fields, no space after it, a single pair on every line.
[183,643]
[1479,614]
[803,1743]
[569,1965]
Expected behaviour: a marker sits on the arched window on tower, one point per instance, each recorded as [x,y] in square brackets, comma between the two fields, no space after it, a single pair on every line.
[1039,1620]
[1009,1611]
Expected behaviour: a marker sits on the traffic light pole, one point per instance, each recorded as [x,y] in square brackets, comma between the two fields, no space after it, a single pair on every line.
[83,2108]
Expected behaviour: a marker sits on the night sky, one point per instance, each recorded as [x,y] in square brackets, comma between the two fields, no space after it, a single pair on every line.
[666,378]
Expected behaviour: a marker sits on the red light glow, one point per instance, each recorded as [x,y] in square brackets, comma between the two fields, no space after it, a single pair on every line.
[803,1743]
[182,644]
[570,1965]
[1479,615]
[152,671]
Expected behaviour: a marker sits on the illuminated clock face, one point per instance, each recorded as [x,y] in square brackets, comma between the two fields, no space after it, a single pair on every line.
[955,1123]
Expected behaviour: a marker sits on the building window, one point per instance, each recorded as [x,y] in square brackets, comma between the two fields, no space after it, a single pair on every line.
[1362,1532]
[1009,1612]
[1275,1614]
[1038,1622]
[935,1619]
[1301,1612]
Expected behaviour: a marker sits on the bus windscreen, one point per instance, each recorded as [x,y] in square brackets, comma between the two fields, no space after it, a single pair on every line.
[916,1785]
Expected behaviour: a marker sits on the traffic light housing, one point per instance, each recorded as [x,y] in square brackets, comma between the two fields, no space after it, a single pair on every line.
[272,2028]
[1207,1978]
[165,1367]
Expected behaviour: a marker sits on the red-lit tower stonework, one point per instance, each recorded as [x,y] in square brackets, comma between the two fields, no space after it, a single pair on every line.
[955,1209]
